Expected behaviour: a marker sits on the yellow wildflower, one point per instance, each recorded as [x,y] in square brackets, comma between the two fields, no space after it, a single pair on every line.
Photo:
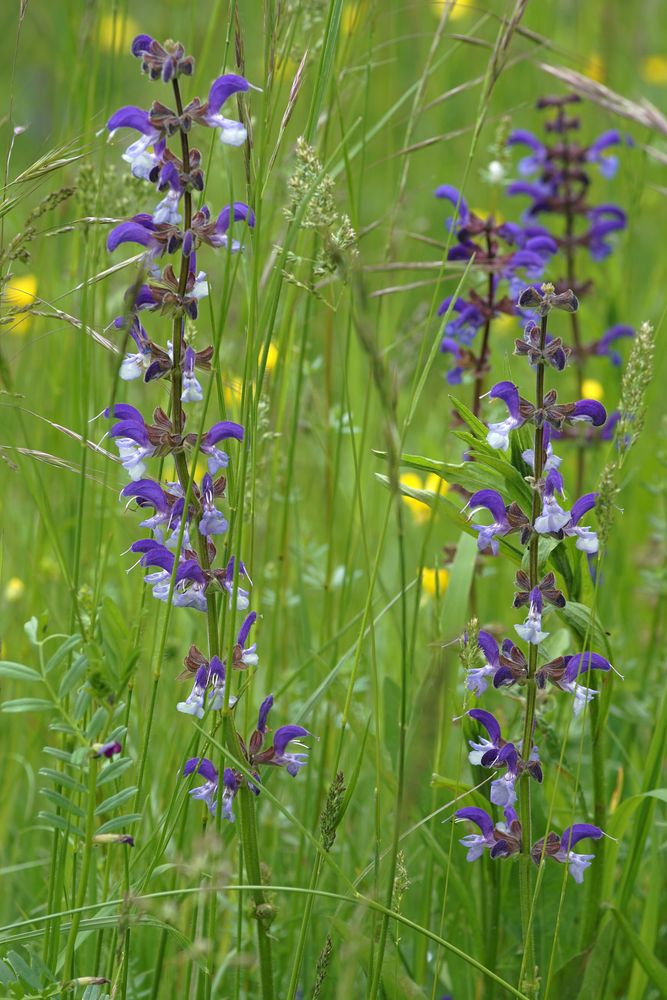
[653,69]
[595,68]
[457,8]
[14,590]
[420,510]
[232,388]
[504,323]
[271,357]
[20,292]
[434,581]
[115,34]
[592,389]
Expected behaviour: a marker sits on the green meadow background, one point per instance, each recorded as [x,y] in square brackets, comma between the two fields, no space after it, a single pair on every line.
[359,610]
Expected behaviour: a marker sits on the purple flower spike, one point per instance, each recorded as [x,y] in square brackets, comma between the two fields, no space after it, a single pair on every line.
[225,87]
[489,722]
[194,704]
[238,212]
[208,792]
[587,539]
[477,678]
[230,788]
[492,501]
[499,433]
[576,863]
[221,431]
[131,232]
[476,842]
[529,164]
[454,196]
[140,44]
[531,629]
[293,762]
[132,117]
[581,663]
[264,710]
[590,410]
[603,347]
[232,133]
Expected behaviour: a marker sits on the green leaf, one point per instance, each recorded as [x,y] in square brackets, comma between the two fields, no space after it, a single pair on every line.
[72,677]
[62,801]
[61,778]
[114,770]
[23,970]
[64,650]
[7,974]
[60,823]
[587,627]
[119,823]
[652,966]
[94,727]
[455,602]
[27,705]
[479,430]
[18,672]
[114,801]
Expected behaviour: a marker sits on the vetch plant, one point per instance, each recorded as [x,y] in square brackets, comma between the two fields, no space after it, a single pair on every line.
[183,513]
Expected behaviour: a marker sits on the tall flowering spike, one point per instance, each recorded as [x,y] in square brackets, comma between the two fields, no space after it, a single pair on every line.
[508,254]
[503,665]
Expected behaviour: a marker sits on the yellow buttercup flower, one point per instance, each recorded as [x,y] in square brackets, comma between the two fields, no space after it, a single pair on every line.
[457,8]
[595,68]
[420,510]
[434,581]
[232,389]
[592,389]
[271,357]
[14,590]
[504,323]
[653,69]
[115,34]
[20,292]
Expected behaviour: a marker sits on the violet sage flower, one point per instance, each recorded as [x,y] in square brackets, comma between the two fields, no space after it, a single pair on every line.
[501,840]
[561,848]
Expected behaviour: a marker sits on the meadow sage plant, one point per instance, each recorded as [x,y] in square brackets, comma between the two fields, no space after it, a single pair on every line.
[184,516]
[557,176]
[514,758]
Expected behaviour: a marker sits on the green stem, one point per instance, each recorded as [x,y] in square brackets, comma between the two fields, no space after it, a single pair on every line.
[263,909]
[85,870]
